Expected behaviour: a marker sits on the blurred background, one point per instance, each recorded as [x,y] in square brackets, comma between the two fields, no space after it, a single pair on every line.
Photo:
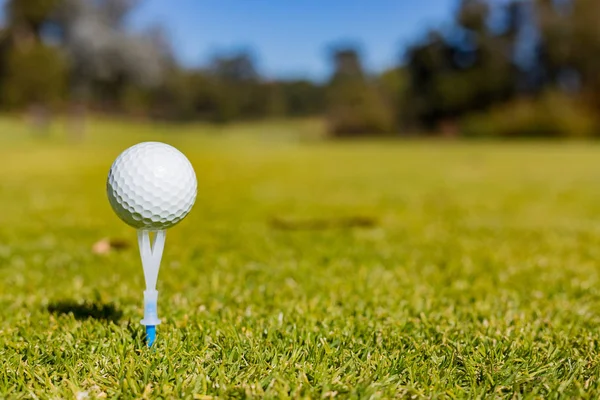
[466,68]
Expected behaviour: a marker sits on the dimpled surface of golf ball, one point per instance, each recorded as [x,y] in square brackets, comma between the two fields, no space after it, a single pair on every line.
[152,186]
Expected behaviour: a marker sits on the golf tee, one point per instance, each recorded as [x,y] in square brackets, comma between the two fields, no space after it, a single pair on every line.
[151,253]
[150,315]
[150,335]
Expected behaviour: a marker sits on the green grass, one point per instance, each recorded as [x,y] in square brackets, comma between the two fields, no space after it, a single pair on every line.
[479,279]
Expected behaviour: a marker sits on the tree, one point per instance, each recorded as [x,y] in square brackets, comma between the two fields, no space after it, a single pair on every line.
[302,98]
[392,84]
[238,86]
[568,45]
[26,18]
[354,106]
[470,67]
[104,58]
[27,84]
[23,51]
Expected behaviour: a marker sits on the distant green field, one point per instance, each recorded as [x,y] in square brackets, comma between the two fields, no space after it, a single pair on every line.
[306,269]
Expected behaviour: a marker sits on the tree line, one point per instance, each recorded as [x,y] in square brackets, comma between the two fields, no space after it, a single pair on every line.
[505,69]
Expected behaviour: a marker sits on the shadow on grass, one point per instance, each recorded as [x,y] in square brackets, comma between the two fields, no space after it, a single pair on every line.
[87,310]
[295,224]
[137,333]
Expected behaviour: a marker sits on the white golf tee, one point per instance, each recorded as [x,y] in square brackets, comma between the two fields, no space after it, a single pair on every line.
[151,254]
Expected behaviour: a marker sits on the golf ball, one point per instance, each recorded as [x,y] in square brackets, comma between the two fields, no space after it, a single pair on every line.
[151,186]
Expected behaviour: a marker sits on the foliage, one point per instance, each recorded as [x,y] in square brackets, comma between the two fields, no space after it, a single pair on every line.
[354,105]
[392,86]
[102,52]
[302,97]
[27,83]
[469,69]
[30,14]
[569,41]
[552,116]
[497,52]
[489,57]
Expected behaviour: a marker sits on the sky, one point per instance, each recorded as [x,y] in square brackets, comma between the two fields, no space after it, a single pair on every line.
[290,38]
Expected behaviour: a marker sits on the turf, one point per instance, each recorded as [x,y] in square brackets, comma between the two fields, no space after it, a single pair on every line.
[401,269]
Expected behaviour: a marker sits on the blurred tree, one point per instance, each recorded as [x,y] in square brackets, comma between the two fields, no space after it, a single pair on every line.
[238,87]
[392,85]
[492,56]
[468,68]
[568,46]
[104,58]
[354,106]
[24,83]
[303,98]
[275,104]
[236,68]
[27,18]
[187,95]
[28,84]
[100,48]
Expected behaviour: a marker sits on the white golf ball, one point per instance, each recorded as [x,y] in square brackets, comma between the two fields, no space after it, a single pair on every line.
[151,186]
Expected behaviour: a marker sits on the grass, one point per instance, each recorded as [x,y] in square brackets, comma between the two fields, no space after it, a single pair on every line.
[477,274]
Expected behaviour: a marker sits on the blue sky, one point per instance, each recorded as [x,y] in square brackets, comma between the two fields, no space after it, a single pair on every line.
[290,37]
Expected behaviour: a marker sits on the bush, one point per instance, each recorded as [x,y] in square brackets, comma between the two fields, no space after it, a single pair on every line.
[34,74]
[358,111]
[552,116]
